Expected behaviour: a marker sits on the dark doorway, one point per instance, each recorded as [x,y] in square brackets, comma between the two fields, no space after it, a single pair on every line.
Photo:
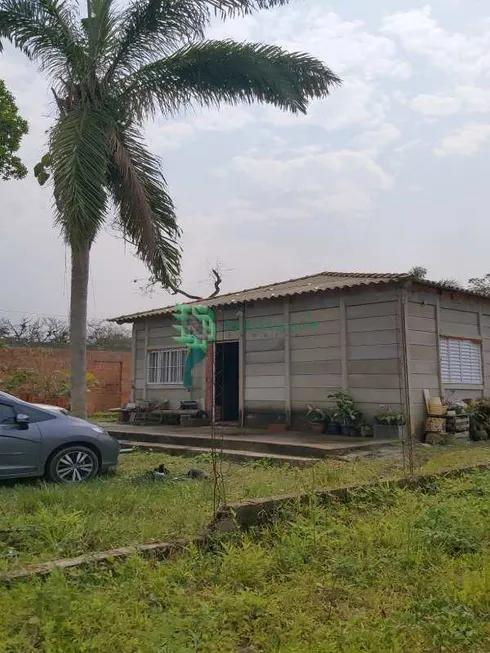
[226,381]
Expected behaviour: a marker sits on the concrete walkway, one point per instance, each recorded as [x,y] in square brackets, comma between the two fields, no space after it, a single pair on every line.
[244,442]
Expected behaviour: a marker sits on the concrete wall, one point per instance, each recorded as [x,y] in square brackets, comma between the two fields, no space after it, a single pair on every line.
[296,351]
[315,351]
[157,333]
[433,314]
[374,350]
[265,326]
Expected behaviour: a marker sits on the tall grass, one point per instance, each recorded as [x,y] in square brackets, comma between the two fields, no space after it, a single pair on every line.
[388,572]
[40,521]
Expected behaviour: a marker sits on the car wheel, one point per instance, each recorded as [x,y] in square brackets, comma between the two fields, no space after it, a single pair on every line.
[73,465]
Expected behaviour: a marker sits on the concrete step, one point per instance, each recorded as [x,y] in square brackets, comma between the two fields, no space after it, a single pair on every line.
[234,455]
[265,446]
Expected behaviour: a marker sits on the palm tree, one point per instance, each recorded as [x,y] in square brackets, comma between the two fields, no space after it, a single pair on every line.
[111,71]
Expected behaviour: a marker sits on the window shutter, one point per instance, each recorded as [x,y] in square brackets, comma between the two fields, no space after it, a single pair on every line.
[460,361]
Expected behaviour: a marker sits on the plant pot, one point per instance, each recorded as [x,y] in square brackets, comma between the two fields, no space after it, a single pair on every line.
[333,428]
[348,429]
[277,428]
[317,427]
[367,431]
[389,431]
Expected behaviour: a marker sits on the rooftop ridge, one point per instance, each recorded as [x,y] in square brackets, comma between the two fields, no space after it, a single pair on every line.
[365,277]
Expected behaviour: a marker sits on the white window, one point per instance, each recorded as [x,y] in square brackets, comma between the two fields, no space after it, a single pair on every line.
[166,366]
[461,361]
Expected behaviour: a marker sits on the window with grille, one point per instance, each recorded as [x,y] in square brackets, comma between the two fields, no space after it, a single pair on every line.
[461,361]
[166,366]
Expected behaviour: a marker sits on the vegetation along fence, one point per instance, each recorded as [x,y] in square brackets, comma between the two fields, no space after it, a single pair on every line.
[42,375]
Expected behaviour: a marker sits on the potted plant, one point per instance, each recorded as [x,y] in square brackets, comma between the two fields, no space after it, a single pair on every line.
[317,419]
[333,427]
[389,424]
[367,430]
[345,412]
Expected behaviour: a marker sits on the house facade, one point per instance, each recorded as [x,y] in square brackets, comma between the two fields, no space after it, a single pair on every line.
[383,338]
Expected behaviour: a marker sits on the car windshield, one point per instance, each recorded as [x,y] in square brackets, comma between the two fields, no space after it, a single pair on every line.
[6,395]
[51,409]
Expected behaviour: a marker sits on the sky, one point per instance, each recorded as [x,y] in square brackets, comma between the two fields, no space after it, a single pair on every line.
[391,171]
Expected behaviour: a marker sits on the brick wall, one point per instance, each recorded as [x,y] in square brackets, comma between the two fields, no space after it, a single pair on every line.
[112,370]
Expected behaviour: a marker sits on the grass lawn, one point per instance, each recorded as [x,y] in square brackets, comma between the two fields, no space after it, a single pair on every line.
[40,522]
[389,572]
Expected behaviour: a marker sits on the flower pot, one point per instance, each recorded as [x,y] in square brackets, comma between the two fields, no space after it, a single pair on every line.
[333,428]
[389,431]
[317,427]
[277,427]
[367,431]
[348,429]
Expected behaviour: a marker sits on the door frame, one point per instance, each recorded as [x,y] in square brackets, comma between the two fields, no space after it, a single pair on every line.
[210,394]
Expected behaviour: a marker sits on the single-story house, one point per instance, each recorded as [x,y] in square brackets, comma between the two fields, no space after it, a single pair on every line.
[381,337]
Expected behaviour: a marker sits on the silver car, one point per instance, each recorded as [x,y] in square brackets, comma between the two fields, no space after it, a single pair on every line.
[38,441]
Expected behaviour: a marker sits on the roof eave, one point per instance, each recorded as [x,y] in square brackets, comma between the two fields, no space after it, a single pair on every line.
[168,310]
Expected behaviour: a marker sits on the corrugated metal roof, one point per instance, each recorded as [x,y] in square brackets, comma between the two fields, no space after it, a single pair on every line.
[325,281]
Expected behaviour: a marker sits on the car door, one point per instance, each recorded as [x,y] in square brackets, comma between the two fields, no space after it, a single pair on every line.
[20,445]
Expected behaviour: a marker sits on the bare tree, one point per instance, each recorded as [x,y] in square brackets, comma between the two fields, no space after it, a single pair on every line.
[418,272]
[451,283]
[480,285]
[105,335]
[55,332]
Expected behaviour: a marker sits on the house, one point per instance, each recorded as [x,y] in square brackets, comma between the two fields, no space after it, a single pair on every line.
[381,337]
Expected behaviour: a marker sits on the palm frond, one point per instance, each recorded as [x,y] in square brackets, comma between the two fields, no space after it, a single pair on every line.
[213,72]
[154,28]
[233,8]
[146,212]
[79,163]
[45,30]
[101,30]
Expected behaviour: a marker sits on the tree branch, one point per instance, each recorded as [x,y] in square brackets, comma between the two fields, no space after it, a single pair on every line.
[175,291]
[217,287]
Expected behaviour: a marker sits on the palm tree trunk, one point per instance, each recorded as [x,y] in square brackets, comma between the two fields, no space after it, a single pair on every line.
[78,329]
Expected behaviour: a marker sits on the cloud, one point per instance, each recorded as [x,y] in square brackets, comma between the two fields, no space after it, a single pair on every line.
[435,105]
[291,187]
[228,118]
[343,183]
[346,46]
[467,55]
[359,102]
[362,58]
[377,139]
[468,99]
[466,141]
[168,135]
[172,134]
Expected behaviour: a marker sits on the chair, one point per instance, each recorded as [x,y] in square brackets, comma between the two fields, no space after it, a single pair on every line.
[142,413]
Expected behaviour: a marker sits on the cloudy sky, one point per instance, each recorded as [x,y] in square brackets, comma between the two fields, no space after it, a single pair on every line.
[391,171]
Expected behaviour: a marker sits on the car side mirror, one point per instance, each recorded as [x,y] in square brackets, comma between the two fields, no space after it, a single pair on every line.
[22,420]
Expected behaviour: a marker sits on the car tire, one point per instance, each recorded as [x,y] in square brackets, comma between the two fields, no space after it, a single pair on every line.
[75,464]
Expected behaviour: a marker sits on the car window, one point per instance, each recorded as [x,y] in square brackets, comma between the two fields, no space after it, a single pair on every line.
[34,414]
[7,414]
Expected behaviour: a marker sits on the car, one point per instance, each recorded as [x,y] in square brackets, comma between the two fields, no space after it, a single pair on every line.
[37,440]
[56,409]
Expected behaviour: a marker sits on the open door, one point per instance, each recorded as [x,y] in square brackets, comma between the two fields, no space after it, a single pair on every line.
[226,381]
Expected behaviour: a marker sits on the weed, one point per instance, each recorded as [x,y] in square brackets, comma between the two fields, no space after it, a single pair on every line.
[41,521]
[405,576]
